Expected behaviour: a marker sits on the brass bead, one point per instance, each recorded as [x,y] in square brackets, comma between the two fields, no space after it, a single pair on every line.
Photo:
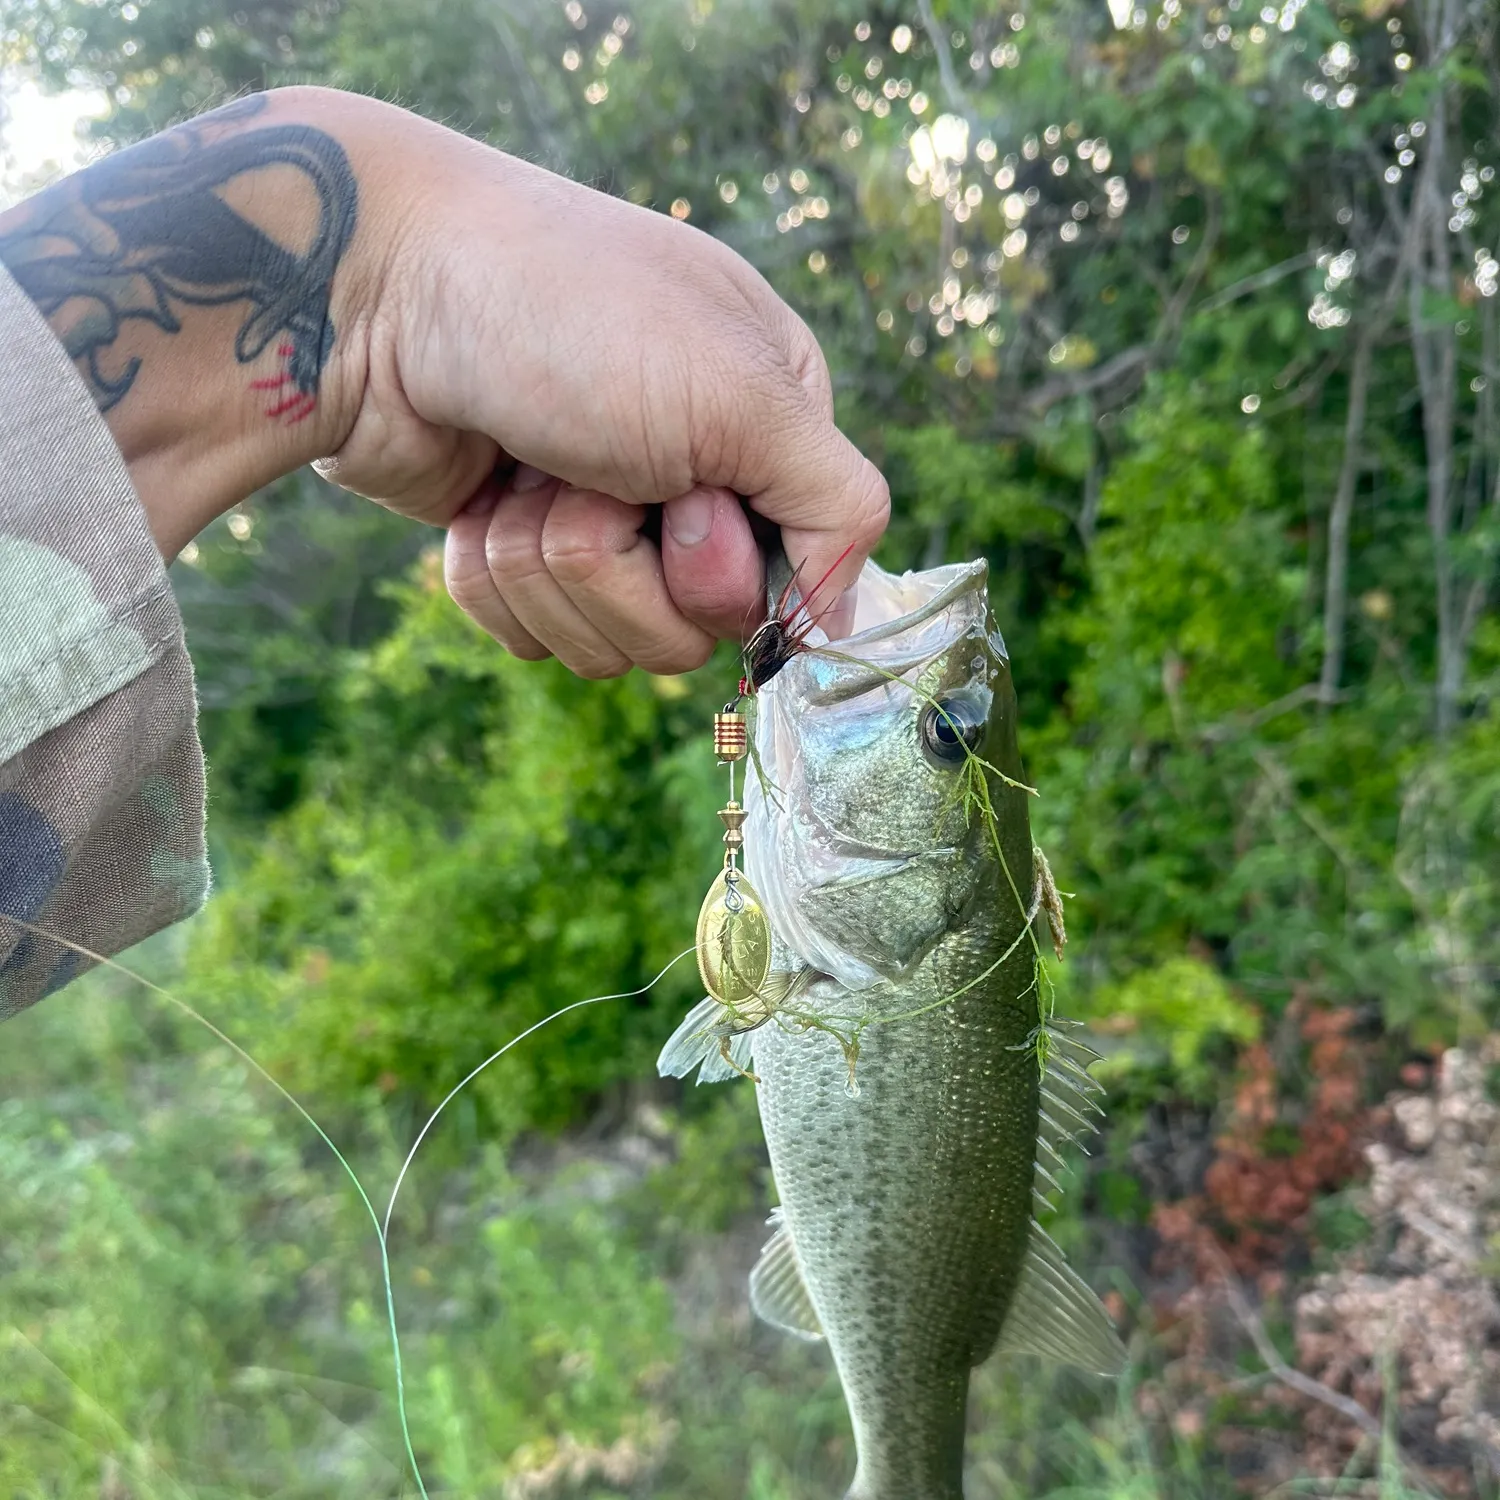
[732,816]
[731,740]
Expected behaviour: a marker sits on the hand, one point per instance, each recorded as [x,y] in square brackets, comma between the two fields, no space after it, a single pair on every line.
[477,344]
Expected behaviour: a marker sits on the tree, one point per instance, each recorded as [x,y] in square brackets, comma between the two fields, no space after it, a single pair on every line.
[1188,323]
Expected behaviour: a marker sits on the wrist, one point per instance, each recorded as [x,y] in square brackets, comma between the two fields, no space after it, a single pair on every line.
[214,286]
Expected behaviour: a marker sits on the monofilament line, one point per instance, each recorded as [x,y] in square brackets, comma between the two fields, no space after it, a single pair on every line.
[390,1207]
[380,1227]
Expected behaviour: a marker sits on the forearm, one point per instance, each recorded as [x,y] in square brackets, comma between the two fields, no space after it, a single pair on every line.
[309,274]
[212,287]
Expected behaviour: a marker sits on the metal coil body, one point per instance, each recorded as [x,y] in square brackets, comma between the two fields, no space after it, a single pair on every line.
[731,739]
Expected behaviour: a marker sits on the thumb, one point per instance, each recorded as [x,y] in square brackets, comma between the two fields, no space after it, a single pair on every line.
[832,506]
[795,468]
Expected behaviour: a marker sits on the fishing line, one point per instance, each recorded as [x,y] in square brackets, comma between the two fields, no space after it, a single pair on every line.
[381,1227]
[496,1056]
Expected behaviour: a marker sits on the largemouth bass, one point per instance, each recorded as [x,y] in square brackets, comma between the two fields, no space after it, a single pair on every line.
[912,1090]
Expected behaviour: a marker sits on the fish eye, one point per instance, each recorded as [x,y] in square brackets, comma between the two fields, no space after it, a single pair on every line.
[951,728]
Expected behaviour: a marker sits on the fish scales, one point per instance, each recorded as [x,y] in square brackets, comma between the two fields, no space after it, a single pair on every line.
[905,1233]
[910,1209]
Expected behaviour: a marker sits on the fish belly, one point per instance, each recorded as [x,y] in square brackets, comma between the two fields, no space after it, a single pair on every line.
[909,1207]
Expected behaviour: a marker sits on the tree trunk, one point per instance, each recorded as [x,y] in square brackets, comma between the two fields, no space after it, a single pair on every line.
[1336,589]
[1434,348]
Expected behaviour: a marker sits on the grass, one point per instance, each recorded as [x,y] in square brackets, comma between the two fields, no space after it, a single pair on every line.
[191,1306]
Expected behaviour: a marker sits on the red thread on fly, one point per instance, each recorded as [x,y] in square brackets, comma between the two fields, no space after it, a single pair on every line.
[783,635]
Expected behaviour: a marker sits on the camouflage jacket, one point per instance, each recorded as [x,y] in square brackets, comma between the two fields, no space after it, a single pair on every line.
[101,776]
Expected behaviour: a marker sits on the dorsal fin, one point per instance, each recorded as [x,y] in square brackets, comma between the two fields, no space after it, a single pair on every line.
[1069,1111]
[778,1294]
[1054,1314]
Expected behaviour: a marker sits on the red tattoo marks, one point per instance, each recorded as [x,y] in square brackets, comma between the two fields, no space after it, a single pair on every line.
[289,408]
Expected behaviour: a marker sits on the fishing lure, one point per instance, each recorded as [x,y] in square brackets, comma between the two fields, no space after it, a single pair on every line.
[734,933]
[733,937]
[783,634]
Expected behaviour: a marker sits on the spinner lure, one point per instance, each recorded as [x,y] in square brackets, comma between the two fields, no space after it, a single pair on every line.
[734,932]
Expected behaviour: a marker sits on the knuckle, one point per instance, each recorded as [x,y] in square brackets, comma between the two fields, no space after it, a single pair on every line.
[470,591]
[600,668]
[573,557]
[696,655]
[872,508]
[513,555]
[807,358]
[522,650]
[469,583]
[679,657]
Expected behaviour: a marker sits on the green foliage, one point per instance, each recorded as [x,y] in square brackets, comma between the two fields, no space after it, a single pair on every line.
[188,1203]
[482,843]
[275,596]
[1131,410]
[1173,1012]
[718,1172]
[1341,1226]
[1108,344]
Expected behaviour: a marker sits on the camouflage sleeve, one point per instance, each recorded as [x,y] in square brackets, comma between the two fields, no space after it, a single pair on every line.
[101,776]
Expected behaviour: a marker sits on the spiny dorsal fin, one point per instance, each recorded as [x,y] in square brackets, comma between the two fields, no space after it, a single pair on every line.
[1054,1314]
[778,1294]
[1069,1111]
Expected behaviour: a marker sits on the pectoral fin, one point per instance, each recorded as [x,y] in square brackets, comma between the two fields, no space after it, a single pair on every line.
[716,1069]
[1055,1315]
[710,1026]
[778,1294]
[695,1044]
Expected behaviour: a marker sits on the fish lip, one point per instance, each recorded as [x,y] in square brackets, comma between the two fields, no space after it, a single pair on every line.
[966,579]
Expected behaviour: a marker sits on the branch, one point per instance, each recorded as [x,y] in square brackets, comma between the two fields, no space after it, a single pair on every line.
[1133,361]
[1281,783]
[1309,386]
[1093,484]
[1258,282]
[1479,589]
[1309,692]
[1305,1385]
[958,101]
[1172,317]
[1061,387]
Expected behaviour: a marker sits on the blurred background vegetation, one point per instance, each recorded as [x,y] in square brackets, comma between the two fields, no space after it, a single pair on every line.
[1183,314]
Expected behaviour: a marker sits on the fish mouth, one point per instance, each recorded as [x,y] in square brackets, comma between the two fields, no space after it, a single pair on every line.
[860,863]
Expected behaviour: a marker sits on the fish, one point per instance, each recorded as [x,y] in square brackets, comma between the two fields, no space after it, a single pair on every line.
[915,1091]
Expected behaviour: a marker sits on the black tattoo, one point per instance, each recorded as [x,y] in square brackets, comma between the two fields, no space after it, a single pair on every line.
[144,233]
